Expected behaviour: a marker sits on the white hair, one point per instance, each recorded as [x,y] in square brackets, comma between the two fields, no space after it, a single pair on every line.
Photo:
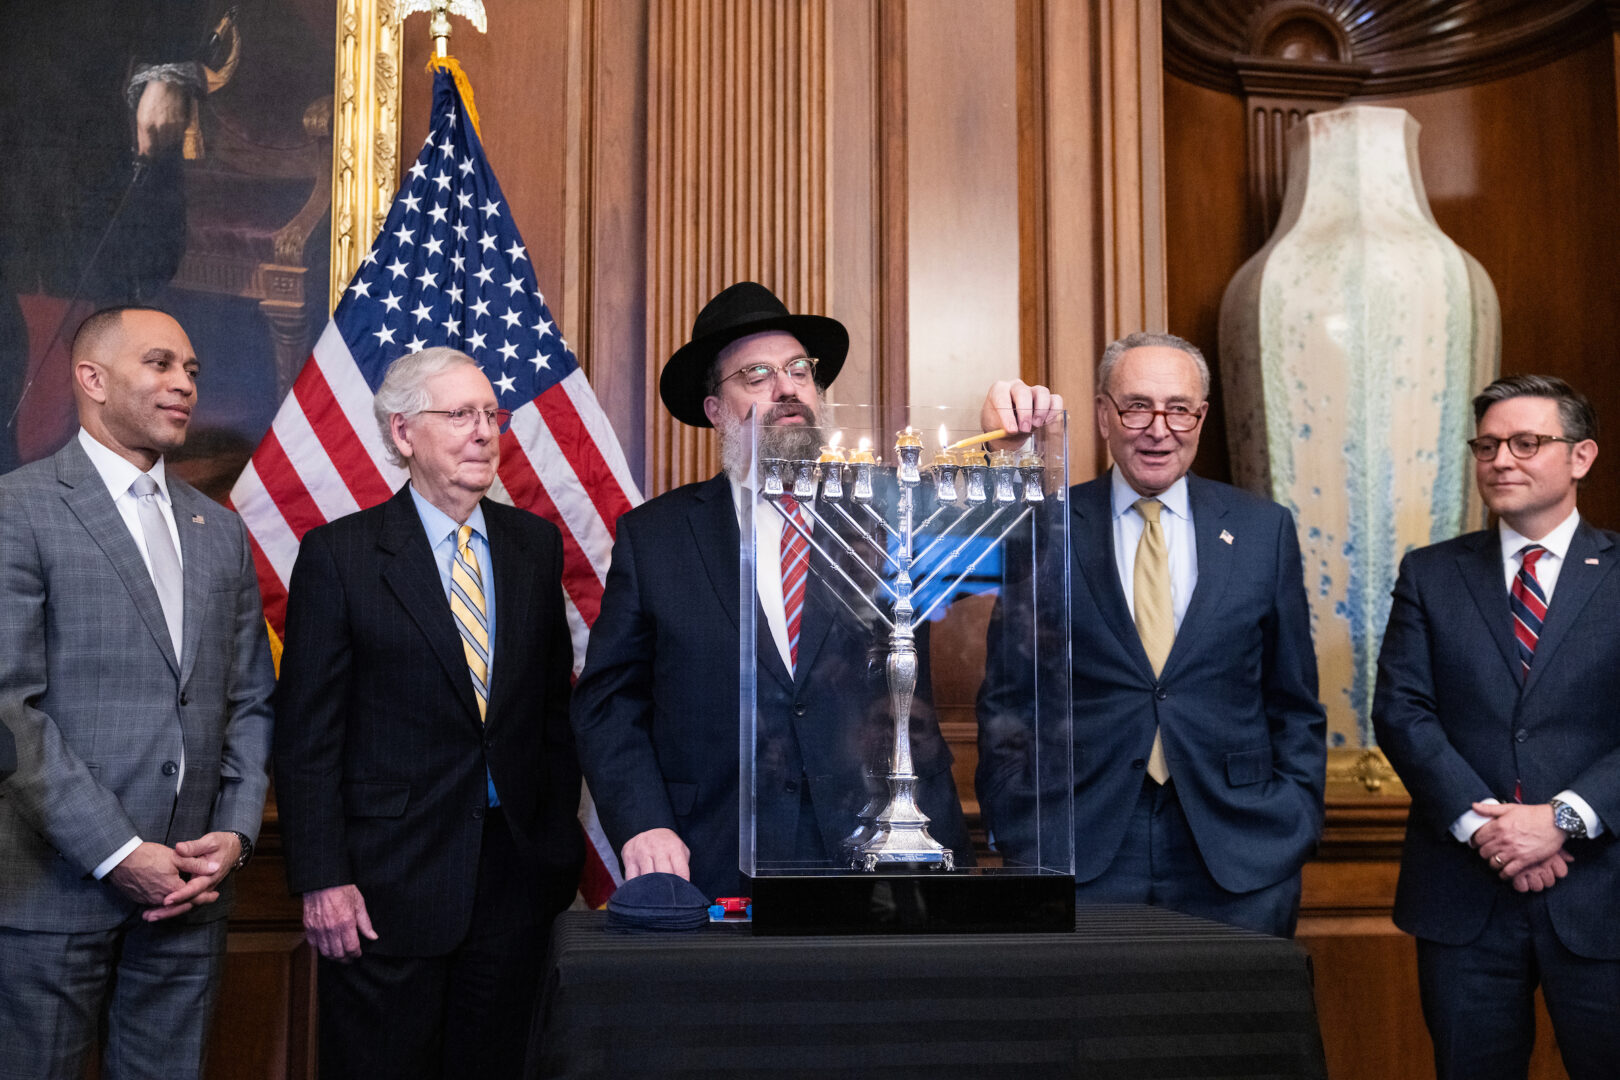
[404,389]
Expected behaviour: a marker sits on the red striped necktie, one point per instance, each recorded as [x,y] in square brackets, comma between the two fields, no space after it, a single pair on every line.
[795,567]
[1529,604]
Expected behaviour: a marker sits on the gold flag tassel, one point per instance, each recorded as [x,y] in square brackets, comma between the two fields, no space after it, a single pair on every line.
[463,87]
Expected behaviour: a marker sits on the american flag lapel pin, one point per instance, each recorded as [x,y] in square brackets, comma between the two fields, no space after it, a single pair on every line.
[196,519]
[1226,537]
[1591,562]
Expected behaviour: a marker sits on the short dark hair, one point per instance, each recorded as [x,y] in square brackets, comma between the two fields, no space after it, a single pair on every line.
[99,325]
[1575,413]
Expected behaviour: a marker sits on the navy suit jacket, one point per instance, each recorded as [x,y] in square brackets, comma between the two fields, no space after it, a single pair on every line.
[656,709]
[1236,702]
[1459,726]
[380,755]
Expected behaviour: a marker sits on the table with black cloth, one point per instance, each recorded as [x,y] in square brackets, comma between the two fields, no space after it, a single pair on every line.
[1134,992]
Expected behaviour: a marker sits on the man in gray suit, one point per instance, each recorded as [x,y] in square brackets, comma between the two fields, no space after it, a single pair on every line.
[134,676]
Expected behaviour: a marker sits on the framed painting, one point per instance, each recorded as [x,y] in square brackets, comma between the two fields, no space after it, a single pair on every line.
[225,162]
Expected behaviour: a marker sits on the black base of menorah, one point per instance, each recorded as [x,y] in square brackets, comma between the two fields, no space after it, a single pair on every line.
[913,900]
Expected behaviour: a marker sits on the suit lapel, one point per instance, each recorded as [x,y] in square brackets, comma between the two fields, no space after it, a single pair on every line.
[196,554]
[1215,558]
[93,506]
[409,571]
[513,568]
[1577,581]
[1093,509]
[1480,563]
[713,521]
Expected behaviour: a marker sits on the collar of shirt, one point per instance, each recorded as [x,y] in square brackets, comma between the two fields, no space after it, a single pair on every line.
[1556,542]
[441,526]
[1174,499]
[117,472]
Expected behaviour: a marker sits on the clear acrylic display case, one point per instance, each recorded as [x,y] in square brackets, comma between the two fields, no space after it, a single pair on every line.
[933,632]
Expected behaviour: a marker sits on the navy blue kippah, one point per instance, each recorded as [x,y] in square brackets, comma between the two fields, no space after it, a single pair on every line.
[654,902]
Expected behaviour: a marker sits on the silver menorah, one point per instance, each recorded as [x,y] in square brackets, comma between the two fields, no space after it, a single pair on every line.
[971,500]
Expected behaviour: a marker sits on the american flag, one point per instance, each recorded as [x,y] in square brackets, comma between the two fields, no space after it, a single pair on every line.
[448,268]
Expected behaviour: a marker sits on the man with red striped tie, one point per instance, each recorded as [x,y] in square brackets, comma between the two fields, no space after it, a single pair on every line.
[1498,703]
[656,708]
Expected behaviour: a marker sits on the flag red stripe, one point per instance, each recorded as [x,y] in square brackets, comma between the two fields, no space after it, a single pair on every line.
[331,425]
[596,884]
[270,588]
[523,485]
[286,487]
[557,410]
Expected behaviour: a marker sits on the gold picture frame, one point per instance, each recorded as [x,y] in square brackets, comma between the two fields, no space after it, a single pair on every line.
[365,130]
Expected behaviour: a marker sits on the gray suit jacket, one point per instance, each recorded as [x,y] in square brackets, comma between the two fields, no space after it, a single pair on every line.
[98,703]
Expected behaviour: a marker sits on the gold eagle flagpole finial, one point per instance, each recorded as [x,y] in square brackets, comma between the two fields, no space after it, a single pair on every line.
[439,22]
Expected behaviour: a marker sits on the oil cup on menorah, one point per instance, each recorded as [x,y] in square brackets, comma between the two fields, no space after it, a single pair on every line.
[915,538]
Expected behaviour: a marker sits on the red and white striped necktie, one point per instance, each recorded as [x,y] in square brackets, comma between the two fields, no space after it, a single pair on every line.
[795,567]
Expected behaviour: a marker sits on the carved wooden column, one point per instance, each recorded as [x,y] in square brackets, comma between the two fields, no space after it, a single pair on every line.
[736,181]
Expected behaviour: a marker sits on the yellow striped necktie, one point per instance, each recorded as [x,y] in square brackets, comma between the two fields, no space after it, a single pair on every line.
[1155,616]
[472,617]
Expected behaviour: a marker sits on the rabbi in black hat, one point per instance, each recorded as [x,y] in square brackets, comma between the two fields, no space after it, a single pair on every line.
[655,711]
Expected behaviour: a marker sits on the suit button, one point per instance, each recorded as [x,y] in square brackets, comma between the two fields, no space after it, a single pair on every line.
[1521,735]
[170,768]
[1139,763]
[478,813]
[185,699]
[798,709]
[1161,694]
[791,786]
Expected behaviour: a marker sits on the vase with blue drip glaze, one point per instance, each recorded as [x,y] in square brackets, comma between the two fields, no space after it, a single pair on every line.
[1350,348]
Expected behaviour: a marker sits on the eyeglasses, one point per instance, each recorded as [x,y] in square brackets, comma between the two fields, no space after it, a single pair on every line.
[1138,417]
[800,371]
[462,420]
[1523,445]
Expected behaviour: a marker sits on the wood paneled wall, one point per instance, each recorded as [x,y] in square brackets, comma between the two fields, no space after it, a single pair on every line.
[736,178]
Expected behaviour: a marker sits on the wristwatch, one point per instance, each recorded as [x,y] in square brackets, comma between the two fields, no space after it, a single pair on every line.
[247,849]
[1568,819]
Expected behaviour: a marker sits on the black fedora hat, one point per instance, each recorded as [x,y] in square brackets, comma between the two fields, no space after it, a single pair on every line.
[739,310]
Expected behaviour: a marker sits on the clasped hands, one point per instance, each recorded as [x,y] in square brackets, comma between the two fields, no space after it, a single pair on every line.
[151,874]
[1523,844]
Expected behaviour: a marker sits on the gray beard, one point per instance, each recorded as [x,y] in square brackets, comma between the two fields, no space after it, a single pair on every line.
[791,443]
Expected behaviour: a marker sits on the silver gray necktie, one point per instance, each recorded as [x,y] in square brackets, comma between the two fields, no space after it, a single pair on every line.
[160,552]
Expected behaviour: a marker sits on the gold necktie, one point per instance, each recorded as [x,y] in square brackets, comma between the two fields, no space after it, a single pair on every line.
[472,618]
[1155,617]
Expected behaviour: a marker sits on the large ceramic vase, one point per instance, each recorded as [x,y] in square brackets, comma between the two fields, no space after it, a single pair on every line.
[1350,348]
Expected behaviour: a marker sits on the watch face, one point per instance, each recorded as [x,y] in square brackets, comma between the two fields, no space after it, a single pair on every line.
[1565,817]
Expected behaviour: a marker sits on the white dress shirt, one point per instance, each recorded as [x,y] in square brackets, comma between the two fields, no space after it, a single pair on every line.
[1180,544]
[768,526]
[120,474]
[1547,569]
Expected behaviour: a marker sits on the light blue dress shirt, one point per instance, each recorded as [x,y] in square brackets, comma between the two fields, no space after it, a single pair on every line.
[441,531]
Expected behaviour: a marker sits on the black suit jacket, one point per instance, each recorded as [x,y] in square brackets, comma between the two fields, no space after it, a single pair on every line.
[656,708]
[380,755]
[1459,726]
